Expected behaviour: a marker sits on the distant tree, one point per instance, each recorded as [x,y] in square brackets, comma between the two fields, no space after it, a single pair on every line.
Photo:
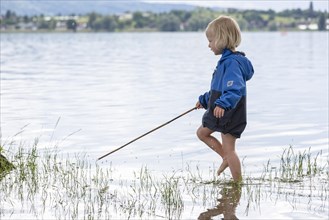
[200,19]
[298,13]
[140,20]
[169,22]
[91,19]
[272,26]
[271,14]
[109,23]
[151,20]
[195,24]
[311,10]
[26,19]
[10,18]
[124,24]
[97,24]
[243,24]
[71,24]
[254,19]
[232,10]
[182,15]
[9,14]
[322,22]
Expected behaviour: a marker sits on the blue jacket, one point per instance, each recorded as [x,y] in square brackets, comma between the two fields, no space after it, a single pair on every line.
[228,82]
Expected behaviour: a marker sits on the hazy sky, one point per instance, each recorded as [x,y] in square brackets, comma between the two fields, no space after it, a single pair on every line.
[277,5]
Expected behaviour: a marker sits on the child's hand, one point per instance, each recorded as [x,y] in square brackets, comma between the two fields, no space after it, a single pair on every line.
[218,112]
[198,105]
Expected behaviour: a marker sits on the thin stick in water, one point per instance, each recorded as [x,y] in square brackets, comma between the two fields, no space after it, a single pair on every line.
[147,133]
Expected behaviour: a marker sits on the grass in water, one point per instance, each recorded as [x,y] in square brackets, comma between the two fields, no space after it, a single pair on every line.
[48,185]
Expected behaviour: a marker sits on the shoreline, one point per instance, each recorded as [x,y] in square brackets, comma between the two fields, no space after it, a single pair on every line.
[143,31]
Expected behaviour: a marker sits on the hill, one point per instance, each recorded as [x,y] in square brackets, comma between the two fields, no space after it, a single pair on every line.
[68,7]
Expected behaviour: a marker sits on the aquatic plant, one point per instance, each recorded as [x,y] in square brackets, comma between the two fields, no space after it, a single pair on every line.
[51,185]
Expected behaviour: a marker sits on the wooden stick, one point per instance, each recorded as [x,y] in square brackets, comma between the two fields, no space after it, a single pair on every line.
[147,133]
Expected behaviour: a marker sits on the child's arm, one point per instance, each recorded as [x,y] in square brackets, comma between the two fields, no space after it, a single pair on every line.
[203,100]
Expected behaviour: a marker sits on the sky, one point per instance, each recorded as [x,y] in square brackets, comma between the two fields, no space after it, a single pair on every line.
[276,5]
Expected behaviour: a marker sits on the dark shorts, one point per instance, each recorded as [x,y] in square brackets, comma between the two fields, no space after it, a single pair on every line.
[233,122]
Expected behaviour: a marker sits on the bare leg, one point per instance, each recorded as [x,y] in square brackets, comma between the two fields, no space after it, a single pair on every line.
[231,156]
[222,167]
[204,134]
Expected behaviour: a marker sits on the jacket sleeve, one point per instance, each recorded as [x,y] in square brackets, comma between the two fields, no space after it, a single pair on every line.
[233,85]
[203,99]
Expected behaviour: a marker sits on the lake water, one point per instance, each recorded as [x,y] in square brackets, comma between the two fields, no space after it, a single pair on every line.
[105,89]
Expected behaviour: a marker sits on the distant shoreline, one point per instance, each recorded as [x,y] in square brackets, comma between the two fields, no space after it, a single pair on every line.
[140,31]
[172,21]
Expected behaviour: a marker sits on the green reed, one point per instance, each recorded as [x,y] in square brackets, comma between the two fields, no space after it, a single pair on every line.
[75,188]
[72,189]
[295,166]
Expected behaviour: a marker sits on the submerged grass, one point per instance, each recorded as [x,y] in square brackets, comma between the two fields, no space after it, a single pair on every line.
[48,185]
[43,181]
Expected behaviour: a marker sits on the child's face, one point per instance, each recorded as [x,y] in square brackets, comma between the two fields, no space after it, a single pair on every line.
[212,43]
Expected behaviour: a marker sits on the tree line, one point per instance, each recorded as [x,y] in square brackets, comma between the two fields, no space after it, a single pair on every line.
[175,20]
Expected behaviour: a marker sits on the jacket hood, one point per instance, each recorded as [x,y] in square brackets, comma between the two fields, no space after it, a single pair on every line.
[245,64]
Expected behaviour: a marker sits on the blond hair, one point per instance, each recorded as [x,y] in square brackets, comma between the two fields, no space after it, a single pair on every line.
[226,33]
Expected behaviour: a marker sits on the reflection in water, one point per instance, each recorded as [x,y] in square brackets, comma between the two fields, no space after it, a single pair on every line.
[227,203]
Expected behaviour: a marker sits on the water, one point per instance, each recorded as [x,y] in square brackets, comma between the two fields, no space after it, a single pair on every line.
[105,89]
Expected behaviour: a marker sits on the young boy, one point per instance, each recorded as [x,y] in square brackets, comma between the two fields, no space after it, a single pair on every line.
[225,103]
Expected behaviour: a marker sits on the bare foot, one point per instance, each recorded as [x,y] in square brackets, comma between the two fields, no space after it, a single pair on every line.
[222,167]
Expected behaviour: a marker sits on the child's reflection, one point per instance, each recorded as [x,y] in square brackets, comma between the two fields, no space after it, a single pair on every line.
[227,204]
